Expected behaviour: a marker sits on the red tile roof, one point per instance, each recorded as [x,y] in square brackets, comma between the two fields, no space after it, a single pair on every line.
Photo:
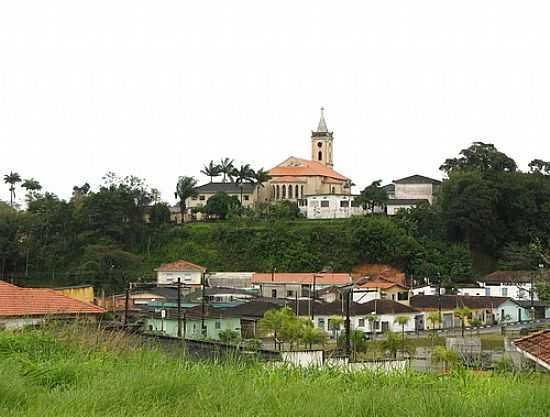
[302,278]
[298,167]
[179,266]
[16,302]
[536,346]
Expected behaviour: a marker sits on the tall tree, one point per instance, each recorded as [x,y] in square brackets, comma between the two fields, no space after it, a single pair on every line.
[211,170]
[185,188]
[463,314]
[12,178]
[226,168]
[538,166]
[483,157]
[33,187]
[260,177]
[373,195]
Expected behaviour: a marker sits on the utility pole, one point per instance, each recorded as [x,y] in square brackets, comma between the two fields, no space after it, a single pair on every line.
[203,305]
[348,324]
[439,300]
[179,307]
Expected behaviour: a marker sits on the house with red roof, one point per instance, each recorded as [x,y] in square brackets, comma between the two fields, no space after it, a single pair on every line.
[189,274]
[536,347]
[20,307]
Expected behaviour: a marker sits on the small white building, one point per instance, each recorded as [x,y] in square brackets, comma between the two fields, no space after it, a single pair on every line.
[331,206]
[512,284]
[410,191]
[188,273]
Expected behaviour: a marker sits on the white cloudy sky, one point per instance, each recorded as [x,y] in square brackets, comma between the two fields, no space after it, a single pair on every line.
[157,88]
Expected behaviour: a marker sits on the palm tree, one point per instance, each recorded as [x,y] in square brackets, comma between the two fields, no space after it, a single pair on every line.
[243,175]
[185,188]
[434,318]
[260,177]
[463,314]
[226,168]
[12,178]
[32,186]
[402,321]
[274,321]
[211,170]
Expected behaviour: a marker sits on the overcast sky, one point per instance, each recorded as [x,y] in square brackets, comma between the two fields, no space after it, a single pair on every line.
[158,88]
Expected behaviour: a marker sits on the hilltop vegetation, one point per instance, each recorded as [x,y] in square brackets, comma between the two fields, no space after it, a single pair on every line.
[488,214]
[91,375]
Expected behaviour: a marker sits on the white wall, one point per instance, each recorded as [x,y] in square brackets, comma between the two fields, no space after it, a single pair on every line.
[514,291]
[171,278]
[357,324]
[427,290]
[334,210]
[471,291]
[424,191]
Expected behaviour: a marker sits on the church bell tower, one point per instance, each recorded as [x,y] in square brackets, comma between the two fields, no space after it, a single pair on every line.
[321,142]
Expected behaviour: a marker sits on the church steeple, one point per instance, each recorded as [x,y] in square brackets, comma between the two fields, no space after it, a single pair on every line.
[322,127]
[321,142]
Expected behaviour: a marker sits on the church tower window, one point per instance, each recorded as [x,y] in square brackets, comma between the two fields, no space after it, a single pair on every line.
[290,191]
[284,192]
[296,195]
[277,195]
[320,156]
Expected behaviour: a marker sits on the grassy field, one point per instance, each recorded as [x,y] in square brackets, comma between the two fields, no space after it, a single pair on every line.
[89,374]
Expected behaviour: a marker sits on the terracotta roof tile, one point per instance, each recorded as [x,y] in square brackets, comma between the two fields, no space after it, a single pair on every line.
[298,167]
[16,301]
[180,265]
[536,345]
[305,278]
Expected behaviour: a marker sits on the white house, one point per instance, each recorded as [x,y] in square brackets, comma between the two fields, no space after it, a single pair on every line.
[513,284]
[382,313]
[188,273]
[410,191]
[331,206]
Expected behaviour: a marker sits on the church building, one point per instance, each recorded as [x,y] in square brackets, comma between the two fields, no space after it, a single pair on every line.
[295,178]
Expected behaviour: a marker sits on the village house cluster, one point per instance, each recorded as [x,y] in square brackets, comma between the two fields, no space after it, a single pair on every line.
[319,191]
[211,303]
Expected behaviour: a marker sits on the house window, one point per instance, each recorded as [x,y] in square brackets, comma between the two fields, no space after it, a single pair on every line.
[218,325]
[333,191]
[202,197]
[504,292]
[246,197]
[325,203]
[361,323]
[321,324]
[302,191]
[273,293]
[290,293]
[290,191]
[403,295]
[344,204]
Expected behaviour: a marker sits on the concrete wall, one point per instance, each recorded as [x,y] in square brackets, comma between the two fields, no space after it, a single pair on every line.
[314,209]
[16,323]
[420,191]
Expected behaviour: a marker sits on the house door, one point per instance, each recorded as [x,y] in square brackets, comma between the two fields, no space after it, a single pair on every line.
[419,322]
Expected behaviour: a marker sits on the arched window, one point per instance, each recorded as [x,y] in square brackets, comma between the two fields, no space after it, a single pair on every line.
[290,191]
[320,156]
[333,190]
[272,191]
[284,192]
[296,195]
[302,192]
[278,193]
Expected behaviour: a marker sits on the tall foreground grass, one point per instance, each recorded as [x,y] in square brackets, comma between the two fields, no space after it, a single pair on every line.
[44,374]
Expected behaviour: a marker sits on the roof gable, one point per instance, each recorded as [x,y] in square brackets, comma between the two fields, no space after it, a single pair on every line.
[180,266]
[417,179]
